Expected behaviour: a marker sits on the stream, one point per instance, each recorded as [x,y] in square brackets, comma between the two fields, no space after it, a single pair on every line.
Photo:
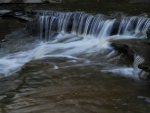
[63,62]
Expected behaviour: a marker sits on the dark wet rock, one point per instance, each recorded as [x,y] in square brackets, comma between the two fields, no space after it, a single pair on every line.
[138,52]
[145,66]
[148,38]
[123,48]
[148,33]
[136,46]
[147,42]
[20,14]
[118,16]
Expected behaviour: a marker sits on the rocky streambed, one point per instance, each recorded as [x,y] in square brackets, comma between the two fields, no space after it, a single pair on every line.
[71,72]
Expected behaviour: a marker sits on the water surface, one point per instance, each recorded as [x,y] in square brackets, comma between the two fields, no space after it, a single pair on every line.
[72,73]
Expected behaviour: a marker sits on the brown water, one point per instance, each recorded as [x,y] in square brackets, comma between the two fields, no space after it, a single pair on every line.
[61,85]
[76,89]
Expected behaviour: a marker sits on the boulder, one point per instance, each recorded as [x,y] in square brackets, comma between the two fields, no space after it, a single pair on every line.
[123,48]
[138,54]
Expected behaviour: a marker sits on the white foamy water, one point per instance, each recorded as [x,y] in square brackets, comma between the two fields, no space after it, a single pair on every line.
[68,46]
[79,35]
[125,71]
[65,45]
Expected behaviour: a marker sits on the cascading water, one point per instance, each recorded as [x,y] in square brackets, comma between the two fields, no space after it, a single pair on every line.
[82,24]
[77,36]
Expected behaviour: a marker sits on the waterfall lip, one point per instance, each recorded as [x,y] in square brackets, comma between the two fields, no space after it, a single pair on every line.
[82,23]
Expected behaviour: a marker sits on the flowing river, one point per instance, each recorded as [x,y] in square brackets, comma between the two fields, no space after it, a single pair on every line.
[69,66]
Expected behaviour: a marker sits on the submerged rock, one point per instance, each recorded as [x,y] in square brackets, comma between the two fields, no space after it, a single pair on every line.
[145,66]
[138,52]
[17,13]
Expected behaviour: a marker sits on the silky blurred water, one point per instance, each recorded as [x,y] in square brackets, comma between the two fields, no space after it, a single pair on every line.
[55,83]
[67,75]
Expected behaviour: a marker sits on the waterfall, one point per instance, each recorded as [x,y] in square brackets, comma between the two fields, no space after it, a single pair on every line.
[82,24]
[77,35]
